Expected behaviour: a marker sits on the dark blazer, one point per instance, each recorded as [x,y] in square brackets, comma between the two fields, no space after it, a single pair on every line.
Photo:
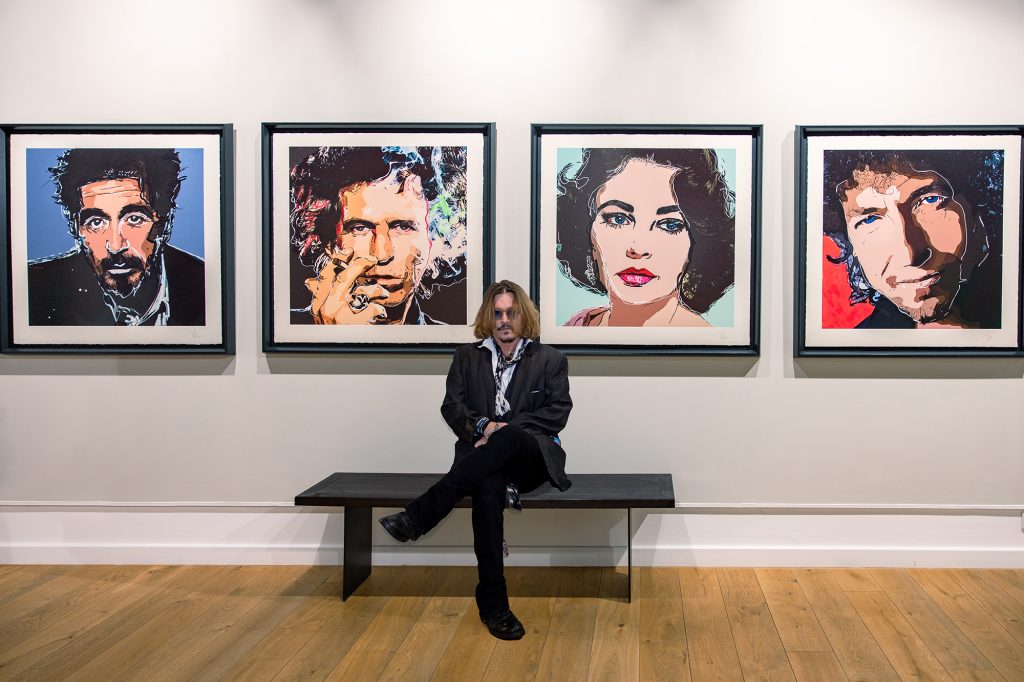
[538,396]
[65,291]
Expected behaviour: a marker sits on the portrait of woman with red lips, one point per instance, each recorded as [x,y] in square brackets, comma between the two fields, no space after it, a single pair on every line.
[651,229]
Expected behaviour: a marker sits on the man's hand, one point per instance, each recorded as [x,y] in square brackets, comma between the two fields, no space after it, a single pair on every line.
[337,299]
[488,432]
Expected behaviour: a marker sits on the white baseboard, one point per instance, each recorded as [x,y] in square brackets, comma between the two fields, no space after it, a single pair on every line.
[678,537]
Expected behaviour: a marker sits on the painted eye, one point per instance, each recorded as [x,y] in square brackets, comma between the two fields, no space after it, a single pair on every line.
[931,200]
[673,225]
[616,219]
[874,217]
[136,219]
[95,224]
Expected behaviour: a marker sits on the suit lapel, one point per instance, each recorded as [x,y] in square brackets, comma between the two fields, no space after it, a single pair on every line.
[484,362]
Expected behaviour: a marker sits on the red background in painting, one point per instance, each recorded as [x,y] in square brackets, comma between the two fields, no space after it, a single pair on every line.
[836,311]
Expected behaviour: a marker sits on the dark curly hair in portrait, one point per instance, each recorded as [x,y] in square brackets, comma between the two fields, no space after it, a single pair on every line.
[318,173]
[701,193]
[157,171]
[976,179]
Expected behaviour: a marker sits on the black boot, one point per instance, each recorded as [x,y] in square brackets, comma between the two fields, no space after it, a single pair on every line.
[400,527]
[504,625]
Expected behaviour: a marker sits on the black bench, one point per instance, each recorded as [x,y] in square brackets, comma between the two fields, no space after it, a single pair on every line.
[359,493]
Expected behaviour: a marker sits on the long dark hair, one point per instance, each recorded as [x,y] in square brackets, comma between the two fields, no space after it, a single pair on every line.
[702,194]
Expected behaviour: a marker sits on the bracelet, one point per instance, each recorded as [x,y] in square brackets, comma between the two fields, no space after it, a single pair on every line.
[481,425]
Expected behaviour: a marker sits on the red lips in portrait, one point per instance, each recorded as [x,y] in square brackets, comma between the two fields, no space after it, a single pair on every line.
[635,278]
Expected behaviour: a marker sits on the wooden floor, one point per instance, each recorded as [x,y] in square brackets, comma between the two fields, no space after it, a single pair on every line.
[414,623]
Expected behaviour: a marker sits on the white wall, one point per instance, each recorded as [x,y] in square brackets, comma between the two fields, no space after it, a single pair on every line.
[257,430]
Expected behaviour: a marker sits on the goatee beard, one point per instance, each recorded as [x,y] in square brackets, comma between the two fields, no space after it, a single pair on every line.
[123,284]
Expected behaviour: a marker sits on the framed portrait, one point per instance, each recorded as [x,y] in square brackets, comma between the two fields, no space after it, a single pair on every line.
[376,237]
[908,241]
[646,238]
[117,239]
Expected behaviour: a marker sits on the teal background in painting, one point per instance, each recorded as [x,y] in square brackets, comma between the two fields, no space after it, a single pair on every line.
[570,299]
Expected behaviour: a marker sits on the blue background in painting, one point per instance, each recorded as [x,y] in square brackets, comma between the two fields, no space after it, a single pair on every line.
[48,229]
[570,299]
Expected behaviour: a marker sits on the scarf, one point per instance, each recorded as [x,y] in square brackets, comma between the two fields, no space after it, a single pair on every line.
[501,406]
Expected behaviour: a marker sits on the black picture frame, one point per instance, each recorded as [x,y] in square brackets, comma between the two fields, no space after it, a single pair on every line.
[737,331]
[972,287]
[196,322]
[289,329]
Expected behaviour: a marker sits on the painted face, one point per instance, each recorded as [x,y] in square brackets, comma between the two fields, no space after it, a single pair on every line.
[507,325]
[641,237]
[910,237]
[387,219]
[114,225]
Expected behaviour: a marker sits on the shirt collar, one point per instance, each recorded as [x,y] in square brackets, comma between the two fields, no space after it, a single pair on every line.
[489,343]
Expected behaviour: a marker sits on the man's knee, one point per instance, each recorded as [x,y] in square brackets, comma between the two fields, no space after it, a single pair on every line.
[491,490]
[509,440]
[509,432]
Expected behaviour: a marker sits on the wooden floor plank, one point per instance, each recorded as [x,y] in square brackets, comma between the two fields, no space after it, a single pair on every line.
[740,587]
[906,651]
[797,625]
[758,645]
[468,652]
[566,654]
[533,602]
[371,653]
[1006,610]
[1010,581]
[63,596]
[276,648]
[998,646]
[855,580]
[122,623]
[26,579]
[697,583]
[204,623]
[961,659]
[315,658]
[852,643]
[663,654]
[154,626]
[89,618]
[233,645]
[709,642]
[61,591]
[423,647]
[816,666]
[615,653]
[174,656]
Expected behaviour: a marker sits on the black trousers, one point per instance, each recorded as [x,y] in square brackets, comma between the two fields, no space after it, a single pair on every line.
[510,455]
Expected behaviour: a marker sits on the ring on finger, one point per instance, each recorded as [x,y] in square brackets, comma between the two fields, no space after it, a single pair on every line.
[359,302]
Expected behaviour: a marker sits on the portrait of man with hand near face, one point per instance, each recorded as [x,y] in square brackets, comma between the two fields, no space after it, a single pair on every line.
[378,235]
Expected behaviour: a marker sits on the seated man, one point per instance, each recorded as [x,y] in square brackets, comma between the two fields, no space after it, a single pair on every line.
[507,399]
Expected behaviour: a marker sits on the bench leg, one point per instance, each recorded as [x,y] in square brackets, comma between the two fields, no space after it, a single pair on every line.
[358,556]
[629,554]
